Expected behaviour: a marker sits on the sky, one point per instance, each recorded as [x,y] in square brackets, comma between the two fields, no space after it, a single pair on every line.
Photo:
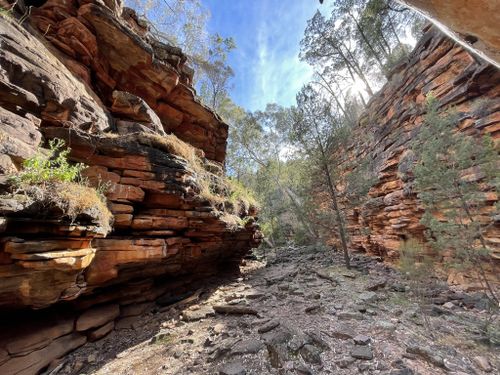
[267,35]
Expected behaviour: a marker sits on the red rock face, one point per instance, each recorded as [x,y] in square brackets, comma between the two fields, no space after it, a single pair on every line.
[472,22]
[105,50]
[94,78]
[392,213]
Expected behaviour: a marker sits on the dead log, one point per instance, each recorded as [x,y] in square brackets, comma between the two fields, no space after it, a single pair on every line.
[235,310]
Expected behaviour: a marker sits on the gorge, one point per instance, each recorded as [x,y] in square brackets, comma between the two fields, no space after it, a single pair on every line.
[92,75]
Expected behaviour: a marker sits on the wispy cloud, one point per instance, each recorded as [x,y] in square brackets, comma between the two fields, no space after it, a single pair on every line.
[266,62]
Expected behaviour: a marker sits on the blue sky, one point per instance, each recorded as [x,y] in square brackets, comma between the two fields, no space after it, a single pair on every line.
[267,34]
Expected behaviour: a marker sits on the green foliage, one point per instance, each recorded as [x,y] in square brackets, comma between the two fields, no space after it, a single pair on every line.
[49,167]
[5,13]
[359,42]
[214,83]
[453,174]
[185,24]
[239,194]
[50,181]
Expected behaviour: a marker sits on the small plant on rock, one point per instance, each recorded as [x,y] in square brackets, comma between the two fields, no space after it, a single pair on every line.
[50,165]
[54,185]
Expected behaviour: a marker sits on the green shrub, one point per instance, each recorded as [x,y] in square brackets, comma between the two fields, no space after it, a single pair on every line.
[453,201]
[50,181]
[49,166]
[240,197]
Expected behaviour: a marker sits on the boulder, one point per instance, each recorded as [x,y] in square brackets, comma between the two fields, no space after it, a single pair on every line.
[100,332]
[129,106]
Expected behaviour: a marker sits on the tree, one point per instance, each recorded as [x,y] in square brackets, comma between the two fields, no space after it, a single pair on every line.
[322,136]
[214,84]
[181,23]
[453,175]
[259,155]
[360,39]
[327,43]
[184,23]
[317,131]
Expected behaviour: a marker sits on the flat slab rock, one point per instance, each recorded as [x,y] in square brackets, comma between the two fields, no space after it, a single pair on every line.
[248,346]
[233,368]
[343,332]
[362,352]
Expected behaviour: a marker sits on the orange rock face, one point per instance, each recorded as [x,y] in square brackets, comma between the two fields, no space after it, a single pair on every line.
[392,213]
[92,75]
[105,47]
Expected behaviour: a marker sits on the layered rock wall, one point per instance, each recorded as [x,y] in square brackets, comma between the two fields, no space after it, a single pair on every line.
[89,73]
[474,23]
[392,213]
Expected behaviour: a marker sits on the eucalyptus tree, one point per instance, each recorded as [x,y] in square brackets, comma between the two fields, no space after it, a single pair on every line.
[323,135]
[184,23]
[360,37]
[327,42]
[215,83]
[261,141]
[318,132]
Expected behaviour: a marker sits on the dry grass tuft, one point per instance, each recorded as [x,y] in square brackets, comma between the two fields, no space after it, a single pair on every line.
[212,185]
[169,143]
[73,200]
[77,200]
[226,195]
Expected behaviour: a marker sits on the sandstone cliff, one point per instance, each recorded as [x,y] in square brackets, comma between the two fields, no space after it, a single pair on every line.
[392,213]
[88,72]
[465,21]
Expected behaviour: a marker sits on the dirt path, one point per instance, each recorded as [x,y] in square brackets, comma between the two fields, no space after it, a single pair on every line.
[301,313]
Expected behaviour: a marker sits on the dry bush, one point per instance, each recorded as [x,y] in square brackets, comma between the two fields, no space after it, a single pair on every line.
[73,200]
[221,192]
[78,199]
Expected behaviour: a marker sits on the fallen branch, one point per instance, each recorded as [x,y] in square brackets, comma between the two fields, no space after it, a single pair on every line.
[233,309]
[192,298]
[324,275]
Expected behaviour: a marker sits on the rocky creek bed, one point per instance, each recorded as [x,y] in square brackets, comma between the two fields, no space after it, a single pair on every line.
[299,311]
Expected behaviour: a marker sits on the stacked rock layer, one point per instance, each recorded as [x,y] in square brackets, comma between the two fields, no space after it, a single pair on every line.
[391,216]
[89,72]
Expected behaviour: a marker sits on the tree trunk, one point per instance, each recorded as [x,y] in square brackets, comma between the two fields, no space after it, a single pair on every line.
[342,234]
[330,90]
[333,196]
[367,42]
[352,67]
[357,69]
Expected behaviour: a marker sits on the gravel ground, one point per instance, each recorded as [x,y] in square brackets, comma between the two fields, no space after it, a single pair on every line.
[299,311]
